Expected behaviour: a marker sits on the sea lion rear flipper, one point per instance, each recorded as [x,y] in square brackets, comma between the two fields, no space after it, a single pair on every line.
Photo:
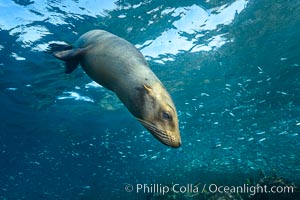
[71,66]
[71,57]
[54,47]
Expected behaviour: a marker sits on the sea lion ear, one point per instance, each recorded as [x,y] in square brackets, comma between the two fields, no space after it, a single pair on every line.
[148,89]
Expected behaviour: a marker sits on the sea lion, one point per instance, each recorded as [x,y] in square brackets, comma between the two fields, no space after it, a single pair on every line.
[118,66]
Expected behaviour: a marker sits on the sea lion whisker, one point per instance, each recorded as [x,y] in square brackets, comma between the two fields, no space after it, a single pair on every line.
[146,123]
[150,125]
[161,133]
[161,136]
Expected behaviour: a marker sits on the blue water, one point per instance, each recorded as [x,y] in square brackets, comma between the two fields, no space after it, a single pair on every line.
[232,68]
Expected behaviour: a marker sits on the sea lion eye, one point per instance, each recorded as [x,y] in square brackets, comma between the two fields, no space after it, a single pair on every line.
[166,116]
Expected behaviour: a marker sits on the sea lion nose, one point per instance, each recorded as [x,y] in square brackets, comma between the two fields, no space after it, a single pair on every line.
[176,143]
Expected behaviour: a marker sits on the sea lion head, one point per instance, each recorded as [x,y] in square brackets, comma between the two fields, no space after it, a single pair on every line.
[159,115]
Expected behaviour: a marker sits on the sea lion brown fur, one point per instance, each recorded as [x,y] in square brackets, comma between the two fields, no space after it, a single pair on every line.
[118,66]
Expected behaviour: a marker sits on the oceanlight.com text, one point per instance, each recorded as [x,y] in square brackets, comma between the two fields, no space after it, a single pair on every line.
[207,188]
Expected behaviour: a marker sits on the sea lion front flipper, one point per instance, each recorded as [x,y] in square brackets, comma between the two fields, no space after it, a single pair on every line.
[71,57]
